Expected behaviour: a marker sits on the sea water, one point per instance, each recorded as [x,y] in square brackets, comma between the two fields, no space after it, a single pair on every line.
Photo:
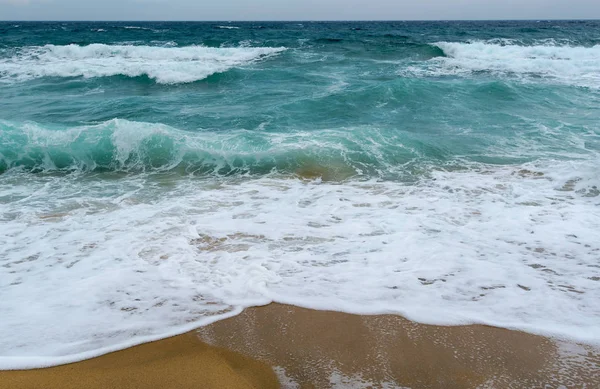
[155,177]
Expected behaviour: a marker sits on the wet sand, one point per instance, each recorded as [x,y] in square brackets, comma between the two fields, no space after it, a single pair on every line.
[179,362]
[321,349]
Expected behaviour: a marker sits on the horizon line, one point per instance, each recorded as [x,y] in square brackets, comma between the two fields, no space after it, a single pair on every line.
[294,21]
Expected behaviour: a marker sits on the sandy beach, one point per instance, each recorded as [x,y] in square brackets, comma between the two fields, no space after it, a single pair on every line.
[179,362]
[322,349]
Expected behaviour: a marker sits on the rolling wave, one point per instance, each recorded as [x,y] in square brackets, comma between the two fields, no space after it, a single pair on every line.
[165,65]
[120,145]
[572,65]
[124,146]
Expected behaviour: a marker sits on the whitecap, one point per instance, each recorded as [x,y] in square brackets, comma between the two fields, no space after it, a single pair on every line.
[166,65]
[549,62]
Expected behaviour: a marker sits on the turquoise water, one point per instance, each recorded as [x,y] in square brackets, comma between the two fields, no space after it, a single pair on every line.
[376,100]
[174,173]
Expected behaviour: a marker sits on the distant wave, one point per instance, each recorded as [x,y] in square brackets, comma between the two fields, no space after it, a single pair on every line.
[573,65]
[329,40]
[165,65]
[229,27]
[141,28]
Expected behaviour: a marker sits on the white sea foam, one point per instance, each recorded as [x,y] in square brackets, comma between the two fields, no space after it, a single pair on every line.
[573,65]
[229,27]
[144,28]
[90,265]
[166,65]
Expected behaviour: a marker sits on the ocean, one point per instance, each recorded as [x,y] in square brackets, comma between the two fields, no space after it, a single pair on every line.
[156,177]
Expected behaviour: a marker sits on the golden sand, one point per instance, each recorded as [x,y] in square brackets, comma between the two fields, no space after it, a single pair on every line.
[319,349]
[180,362]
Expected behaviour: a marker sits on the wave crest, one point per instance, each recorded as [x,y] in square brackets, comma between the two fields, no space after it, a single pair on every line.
[124,146]
[571,65]
[165,65]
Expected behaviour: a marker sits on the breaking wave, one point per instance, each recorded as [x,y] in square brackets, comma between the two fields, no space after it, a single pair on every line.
[165,65]
[124,146]
[572,65]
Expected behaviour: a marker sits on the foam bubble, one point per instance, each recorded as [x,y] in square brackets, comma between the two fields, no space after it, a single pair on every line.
[166,65]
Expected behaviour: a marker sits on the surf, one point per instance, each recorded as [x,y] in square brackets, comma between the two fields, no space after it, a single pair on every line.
[165,65]
[571,65]
[175,174]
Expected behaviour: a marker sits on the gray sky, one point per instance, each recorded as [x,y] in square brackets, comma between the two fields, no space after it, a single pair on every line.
[296,9]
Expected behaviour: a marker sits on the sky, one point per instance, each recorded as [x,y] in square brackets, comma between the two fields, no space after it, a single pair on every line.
[297,9]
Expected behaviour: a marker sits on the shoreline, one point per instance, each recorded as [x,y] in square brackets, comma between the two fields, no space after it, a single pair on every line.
[324,349]
[309,348]
[181,361]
